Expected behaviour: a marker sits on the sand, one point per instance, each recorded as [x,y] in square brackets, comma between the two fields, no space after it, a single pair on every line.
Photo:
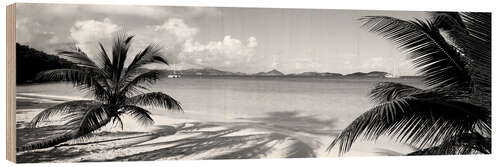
[193,138]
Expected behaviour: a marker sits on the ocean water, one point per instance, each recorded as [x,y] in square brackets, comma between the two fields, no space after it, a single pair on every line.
[335,102]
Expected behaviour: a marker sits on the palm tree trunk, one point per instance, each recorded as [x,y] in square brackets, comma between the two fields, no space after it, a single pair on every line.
[53,141]
[56,140]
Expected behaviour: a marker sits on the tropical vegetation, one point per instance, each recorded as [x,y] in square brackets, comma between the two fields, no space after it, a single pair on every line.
[115,89]
[452,114]
[30,61]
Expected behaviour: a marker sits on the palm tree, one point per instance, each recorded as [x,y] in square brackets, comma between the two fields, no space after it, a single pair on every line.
[452,115]
[116,91]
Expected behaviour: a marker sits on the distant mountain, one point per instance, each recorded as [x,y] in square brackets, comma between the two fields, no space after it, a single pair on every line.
[206,72]
[373,74]
[273,72]
[317,74]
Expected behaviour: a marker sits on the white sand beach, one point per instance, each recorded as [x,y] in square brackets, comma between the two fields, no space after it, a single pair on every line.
[281,135]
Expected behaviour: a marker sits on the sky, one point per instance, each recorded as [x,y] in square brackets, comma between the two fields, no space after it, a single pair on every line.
[245,40]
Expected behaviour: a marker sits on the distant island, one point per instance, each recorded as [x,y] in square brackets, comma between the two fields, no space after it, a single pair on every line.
[35,61]
[276,73]
[373,74]
[273,72]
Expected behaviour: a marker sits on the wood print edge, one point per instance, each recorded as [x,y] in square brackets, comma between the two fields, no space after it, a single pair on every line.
[11,82]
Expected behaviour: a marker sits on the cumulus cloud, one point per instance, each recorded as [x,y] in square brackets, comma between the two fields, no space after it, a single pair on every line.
[184,50]
[178,28]
[87,33]
[229,53]
[170,27]
[194,36]
[252,42]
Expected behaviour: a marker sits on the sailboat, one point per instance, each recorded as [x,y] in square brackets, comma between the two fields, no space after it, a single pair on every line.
[174,74]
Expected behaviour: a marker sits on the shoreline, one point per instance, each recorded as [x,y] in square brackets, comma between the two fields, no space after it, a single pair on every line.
[172,138]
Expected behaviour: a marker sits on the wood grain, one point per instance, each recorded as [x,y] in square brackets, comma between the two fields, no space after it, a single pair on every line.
[11,82]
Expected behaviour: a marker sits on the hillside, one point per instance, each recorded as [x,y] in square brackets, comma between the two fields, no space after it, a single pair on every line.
[317,74]
[373,74]
[205,72]
[273,72]
[29,62]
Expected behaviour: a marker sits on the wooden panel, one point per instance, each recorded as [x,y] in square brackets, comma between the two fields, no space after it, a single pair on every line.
[11,83]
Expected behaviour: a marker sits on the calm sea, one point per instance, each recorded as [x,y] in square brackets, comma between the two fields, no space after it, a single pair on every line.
[238,98]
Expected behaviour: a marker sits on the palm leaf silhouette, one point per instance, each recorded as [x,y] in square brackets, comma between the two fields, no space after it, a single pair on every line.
[451,116]
[117,89]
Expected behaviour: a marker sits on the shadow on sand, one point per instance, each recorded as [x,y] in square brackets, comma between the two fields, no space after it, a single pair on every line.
[279,134]
[71,149]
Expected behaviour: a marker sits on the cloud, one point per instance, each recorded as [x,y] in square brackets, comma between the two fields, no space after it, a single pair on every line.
[186,51]
[252,42]
[229,53]
[178,28]
[47,27]
[87,33]
[24,28]
[29,32]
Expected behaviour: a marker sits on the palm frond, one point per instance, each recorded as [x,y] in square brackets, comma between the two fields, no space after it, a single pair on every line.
[155,99]
[422,119]
[465,143]
[89,120]
[61,109]
[388,91]
[452,25]
[111,84]
[479,27]
[142,115]
[87,80]
[78,57]
[151,54]
[478,45]
[105,62]
[118,121]
[75,76]
[80,123]
[140,82]
[448,21]
[438,61]
[121,45]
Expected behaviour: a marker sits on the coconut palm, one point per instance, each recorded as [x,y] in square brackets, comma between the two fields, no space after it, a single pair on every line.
[452,52]
[115,89]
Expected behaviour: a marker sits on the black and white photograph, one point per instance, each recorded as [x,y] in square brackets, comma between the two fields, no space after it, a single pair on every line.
[144,83]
